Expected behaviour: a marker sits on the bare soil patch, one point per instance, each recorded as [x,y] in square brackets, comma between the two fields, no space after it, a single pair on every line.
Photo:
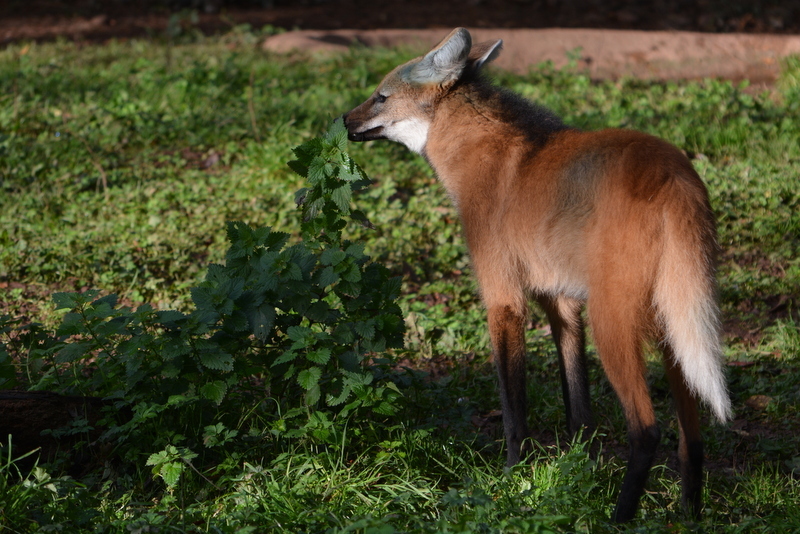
[600,53]
[662,39]
[90,19]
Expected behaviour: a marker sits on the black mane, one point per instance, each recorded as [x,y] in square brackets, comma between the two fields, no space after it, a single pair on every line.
[536,122]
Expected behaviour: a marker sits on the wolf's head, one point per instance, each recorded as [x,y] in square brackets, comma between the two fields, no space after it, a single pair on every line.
[402,107]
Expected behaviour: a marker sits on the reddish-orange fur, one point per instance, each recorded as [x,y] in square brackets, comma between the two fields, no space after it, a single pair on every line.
[617,220]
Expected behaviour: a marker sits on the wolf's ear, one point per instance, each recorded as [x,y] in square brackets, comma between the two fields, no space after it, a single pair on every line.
[483,53]
[444,64]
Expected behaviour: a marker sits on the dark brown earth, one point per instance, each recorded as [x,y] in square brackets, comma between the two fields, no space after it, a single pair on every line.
[98,20]
[662,39]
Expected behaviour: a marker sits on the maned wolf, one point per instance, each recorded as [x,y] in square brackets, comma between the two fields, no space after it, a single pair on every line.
[615,219]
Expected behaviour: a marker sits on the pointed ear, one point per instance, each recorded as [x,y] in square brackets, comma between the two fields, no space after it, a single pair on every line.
[483,53]
[444,64]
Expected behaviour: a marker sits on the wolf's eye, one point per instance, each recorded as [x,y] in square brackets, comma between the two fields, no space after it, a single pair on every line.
[380,99]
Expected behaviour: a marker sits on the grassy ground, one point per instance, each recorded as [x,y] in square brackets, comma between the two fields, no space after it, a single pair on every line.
[119,166]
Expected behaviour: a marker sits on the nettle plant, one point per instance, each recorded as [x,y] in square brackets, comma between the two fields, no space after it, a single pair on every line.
[300,327]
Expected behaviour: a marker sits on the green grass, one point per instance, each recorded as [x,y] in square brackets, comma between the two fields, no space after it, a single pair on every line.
[119,166]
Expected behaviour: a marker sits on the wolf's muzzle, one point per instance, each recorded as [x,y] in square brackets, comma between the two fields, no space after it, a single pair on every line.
[368,135]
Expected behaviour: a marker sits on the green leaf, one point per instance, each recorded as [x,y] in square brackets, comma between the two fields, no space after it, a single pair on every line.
[308,378]
[261,321]
[313,395]
[356,250]
[306,152]
[332,256]
[352,274]
[349,171]
[203,297]
[358,378]
[287,356]
[319,312]
[214,391]
[110,300]
[298,167]
[158,458]
[302,334]
[391,288]
[301,194]
[365,329]
[358,215]
[337,135]
[175,347]
[171,473]
[239,232]
[328,277]
[313,207]
[179,400]
[385,408]
[74,351]
[115,326]
[294,272]
[219,361]
[340,398]
[169,316]
[296,303]
[318,170]
[72,324]
[321,356]
[275,241]
[361,184]
[343,335]
[341,196]
[66,300]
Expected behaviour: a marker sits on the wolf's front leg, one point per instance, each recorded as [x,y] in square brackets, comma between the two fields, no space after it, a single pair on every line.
[507,331]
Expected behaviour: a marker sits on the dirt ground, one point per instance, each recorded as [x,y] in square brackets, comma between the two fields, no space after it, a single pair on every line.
[663,39]
[600,53]
[101,19]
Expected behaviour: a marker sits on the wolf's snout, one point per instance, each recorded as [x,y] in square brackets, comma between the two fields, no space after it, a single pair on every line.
[357,133]
[355,136]
[352,135]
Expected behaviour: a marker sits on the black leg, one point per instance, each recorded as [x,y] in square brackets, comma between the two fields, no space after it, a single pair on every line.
[507,330]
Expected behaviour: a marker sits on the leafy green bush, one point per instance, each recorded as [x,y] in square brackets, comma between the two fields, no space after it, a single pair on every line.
[302,325]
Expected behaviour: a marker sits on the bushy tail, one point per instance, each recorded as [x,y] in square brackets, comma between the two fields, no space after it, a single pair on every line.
[685,299]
